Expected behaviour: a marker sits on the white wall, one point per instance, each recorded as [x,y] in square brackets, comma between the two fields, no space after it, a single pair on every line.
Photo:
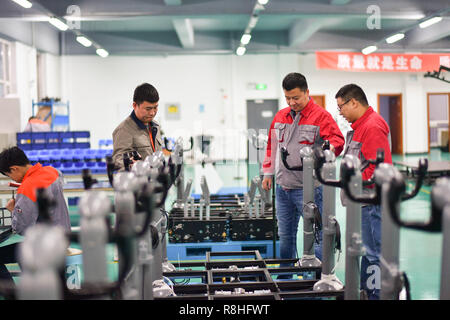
[412,86]
[24,80]
[100,92]
[49,75]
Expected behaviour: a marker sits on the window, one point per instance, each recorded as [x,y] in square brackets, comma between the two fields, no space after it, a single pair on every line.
[5,68]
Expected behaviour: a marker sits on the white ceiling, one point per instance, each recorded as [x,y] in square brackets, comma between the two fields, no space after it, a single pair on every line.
[216,26]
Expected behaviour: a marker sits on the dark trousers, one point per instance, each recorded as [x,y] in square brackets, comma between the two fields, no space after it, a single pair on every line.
[7,255]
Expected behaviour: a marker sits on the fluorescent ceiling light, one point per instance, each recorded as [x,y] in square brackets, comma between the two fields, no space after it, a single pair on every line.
[369,49]
[253,21]
[263,2]
[102,53]
[395,38]
[429,22]
[246,38]
[58,24]
[84,41]
[240,51]
[24,3]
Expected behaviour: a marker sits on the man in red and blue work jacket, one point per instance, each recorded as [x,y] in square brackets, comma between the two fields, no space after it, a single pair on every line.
[370,133]
[24,210]
[302,123]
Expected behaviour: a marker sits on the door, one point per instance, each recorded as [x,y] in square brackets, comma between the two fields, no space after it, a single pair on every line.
[260,114]
[319,99]
[438,120]
[390,108]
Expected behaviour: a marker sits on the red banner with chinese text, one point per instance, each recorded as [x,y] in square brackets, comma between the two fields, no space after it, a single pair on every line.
[378,62]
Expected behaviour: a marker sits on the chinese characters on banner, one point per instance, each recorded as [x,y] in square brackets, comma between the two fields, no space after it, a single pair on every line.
[378,62]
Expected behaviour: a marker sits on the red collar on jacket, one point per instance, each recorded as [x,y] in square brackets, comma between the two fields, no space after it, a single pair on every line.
[364,117]
[305,111]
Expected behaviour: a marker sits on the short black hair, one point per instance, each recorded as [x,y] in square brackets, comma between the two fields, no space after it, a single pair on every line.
[295,80]
[145,92]
[13,156]
[350,91]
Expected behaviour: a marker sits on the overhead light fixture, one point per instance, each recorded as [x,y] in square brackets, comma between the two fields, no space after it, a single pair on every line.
[253,21]
[369,49]
[263,2]
[102,52]
[58,24]
[429,22]
[240,51]
[245,39]
[84,41]
[24,3]
[395,38]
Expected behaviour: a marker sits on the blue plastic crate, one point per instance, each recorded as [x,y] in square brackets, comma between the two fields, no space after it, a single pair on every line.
[38,146]
[23,136]
[81,134]
[38,136]
[53,145]
[52,136]
[26,146]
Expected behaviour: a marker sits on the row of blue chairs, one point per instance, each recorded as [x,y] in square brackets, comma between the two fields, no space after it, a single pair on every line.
[68,154]
[105,143]
[76,168]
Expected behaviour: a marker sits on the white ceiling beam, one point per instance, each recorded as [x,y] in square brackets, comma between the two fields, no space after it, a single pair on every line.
[339,2]
[302,30]
[172,2]
[427,35]
[185,32]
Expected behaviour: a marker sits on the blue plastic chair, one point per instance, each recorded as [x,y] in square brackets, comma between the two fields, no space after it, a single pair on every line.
[56,158]
[44,157]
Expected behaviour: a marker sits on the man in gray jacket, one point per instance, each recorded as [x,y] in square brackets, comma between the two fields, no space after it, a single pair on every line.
[138,132]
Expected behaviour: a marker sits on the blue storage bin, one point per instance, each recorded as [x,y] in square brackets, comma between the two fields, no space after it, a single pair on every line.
[81,134]
[38,146]
[82,145]
[38,136]
[33,159]
[26,146]
[52,137]
[23,136]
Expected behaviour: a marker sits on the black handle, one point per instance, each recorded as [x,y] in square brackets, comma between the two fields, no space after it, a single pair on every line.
[318,164]
[347,171]
[88,181]
[396,192]
[110,167]
[135,155]
[284,155]
[166,144]
[126,161]
[145,204]
[191,140]
[44,204]
[422,170]
[164,189]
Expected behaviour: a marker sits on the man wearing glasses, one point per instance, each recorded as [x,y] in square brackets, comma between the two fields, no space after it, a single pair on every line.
[302,123]
[370,132]
[138,132]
